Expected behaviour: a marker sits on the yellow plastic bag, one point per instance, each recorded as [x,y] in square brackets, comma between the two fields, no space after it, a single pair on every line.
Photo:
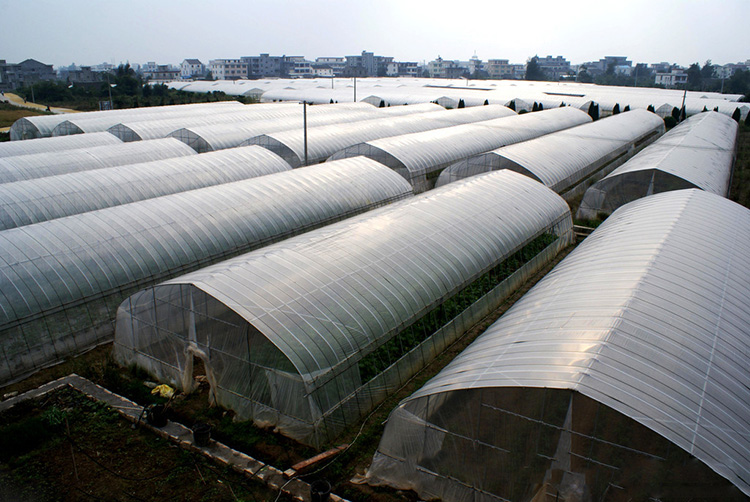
[163,390]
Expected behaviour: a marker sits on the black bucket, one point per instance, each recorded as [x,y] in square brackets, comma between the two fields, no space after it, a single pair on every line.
[202,434]
[320,491]
[156,415]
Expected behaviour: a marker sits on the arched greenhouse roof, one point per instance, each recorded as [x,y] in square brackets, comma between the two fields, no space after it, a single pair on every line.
[650,316]
[322,142]
[697,153]
[41,199]
[80,123]
[42,145]
[156,127]
[564,158]
[329,297]
[206,138]
[39,165]
[87,264]
[43,125]
[419,157]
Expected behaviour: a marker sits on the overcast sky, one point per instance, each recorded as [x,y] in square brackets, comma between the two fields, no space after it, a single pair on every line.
[87,32]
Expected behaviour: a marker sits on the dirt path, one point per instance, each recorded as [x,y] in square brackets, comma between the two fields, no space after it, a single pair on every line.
[17,100]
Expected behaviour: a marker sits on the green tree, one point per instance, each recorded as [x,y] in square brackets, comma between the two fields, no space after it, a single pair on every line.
[694,76]
[534,71]
[707,71]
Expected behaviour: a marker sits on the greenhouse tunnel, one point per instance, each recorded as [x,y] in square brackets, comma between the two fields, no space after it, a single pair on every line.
[61,281]
[326,140]
[420,157]
[59,144]
[42,199]
[40,165]
[698,153]
[252,115]
[607,380]
[570,160]
[206,138]
[309,334]
[43,125]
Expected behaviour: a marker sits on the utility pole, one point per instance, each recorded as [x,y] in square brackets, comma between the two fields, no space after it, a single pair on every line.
[304,121]
[635,82]
[355,89]
[32,93]
[684,95]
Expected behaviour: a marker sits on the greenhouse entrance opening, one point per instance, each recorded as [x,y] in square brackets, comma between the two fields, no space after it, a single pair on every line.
[198,374]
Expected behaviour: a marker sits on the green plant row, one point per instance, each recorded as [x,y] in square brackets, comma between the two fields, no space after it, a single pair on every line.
[388,353]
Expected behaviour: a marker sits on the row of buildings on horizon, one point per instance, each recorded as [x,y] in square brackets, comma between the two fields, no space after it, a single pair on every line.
[367,64]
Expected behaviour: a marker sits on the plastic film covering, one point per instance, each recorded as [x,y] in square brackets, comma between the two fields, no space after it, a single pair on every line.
[282,330]
[155,127]
[566,158]
[39,165]
[649,316]
[44,145]
[101,121]
[420,157]
[323,142]
[450,92]
[33,201]
[43,125]
[698,153]
[62,280]
[221,136]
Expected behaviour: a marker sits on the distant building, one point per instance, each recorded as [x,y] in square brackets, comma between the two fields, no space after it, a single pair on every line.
[336,64]
[103,67]
[228,69]
[322,70]
[554,67]
[27,72]
[83,76]
[671,79]
[263,65]
[445,68]
[500,69]
[729,69]
[192,68]
[161,73]
[373,65]
[298,67]
[402,69]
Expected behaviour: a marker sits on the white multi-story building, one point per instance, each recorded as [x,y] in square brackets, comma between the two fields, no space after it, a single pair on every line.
[192,68]
[671,79]
[228,69]
[402,69]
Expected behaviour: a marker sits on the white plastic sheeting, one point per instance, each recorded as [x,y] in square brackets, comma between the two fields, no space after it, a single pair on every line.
[43,125]
[33,201]
[650,316]
[80,124]
[155,127]
[698,153]
[42,145]
[449,92]
[220,136]
[322,142]
[282,329]
[62,280]
[420,157]
[39,165]
[566,158]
